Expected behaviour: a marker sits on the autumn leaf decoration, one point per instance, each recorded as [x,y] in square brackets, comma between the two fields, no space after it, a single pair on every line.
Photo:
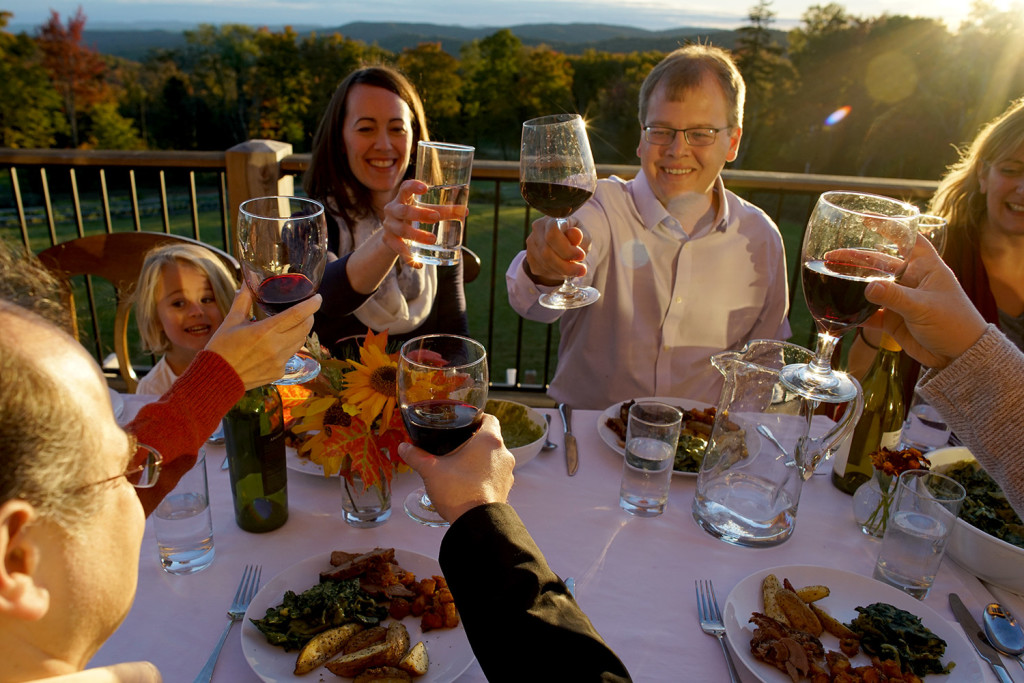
[351,413]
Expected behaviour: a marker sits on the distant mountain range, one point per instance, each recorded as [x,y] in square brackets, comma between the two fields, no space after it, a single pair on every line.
[137,41]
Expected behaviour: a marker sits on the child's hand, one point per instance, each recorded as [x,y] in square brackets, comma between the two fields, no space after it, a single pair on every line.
[259,350]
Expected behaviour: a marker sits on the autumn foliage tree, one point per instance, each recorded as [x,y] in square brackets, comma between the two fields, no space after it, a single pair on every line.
[76,71]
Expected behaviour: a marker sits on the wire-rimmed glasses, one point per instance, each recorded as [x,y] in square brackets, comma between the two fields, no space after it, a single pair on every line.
[143,471]
[695,137]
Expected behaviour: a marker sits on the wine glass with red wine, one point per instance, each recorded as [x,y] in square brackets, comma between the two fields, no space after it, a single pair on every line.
[442,390]
[556,177]
[851,239]
[282,246]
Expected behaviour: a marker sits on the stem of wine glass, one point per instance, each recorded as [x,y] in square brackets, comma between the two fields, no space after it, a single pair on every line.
[568,284]
[825,347]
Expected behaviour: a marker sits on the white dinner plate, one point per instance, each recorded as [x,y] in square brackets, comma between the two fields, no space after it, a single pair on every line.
[847,591]
[612,411]
[297,463]
[448,649]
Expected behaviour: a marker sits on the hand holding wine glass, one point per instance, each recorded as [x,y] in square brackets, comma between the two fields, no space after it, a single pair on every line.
[442,390]
[557,176]
[851,239]
[282,246]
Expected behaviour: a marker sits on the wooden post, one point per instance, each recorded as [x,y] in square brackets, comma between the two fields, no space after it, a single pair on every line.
[253,171]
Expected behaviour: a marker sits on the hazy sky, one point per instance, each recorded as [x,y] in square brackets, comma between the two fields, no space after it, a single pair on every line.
[649,14]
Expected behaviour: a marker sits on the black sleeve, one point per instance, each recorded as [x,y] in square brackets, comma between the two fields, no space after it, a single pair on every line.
[449,311]
[334,320]
[512,604]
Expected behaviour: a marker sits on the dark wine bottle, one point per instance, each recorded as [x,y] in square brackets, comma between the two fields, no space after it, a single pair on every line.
[254,436]
[881,423]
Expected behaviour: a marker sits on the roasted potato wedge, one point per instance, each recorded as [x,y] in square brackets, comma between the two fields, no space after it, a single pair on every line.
[833,625]
[811,594]
[386,653]
[365,639]
[383,674]
[770,588]
[323,646]
[798,613]
[416,661]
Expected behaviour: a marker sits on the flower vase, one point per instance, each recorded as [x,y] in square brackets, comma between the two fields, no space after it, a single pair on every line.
[365,506]
[871,502]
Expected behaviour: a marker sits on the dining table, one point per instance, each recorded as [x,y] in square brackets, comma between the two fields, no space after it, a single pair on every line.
[634,577]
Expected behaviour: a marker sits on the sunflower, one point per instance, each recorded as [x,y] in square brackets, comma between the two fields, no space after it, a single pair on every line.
[372,386]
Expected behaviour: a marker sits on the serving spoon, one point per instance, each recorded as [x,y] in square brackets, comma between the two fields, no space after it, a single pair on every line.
[1004,631]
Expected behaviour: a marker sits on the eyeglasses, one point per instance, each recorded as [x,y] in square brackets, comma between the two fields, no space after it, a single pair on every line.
[696,137]
[142,475]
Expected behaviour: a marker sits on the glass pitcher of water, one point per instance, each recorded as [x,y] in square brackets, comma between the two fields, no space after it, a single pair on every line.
[765,442]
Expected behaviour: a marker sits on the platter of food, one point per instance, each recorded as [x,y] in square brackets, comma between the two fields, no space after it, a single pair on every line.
[698,418]
[988,539]
[843,593]
[447,649]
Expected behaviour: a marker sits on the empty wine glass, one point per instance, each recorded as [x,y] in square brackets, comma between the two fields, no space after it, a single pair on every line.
[442,390]
[556,177]
[934,228]
[851,239]
[282,246]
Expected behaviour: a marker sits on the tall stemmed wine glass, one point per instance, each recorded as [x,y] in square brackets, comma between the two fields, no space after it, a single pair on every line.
[442,390]
[850,240]
[282,246]
[934,228]
[556,177]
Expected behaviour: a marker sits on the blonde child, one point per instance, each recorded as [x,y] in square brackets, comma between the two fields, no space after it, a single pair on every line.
[183,294]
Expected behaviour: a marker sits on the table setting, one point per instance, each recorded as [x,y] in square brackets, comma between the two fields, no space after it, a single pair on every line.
[633,576]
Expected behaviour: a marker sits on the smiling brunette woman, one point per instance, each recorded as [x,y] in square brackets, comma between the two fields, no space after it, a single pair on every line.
[362,158]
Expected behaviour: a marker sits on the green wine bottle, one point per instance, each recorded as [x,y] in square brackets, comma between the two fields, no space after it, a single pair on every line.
[254,437]
[881,423]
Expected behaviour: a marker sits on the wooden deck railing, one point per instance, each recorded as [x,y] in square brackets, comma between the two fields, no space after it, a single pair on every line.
[48,196]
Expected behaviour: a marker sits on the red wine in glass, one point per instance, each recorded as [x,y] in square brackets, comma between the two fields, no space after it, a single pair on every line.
[282,247]
[440,426]
[554,199]
[834,286]
[278,293]
[556,177]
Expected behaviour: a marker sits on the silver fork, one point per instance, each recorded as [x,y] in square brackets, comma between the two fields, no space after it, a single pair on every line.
[711,621]
[247,588]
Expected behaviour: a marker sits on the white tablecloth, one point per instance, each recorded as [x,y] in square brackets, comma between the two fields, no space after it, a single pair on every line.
[634,577]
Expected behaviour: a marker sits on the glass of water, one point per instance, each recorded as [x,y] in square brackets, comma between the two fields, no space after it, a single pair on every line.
[925,429]
[183,523]
[446,169]
[651,437]
[921,519]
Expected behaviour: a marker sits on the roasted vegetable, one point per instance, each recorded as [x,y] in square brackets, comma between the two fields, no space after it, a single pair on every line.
[300,616]
[891,633]
[323,646]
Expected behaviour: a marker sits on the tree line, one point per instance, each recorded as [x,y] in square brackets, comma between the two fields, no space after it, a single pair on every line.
[882,96]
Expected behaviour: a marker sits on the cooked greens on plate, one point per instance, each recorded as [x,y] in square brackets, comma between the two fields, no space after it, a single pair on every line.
[300,616]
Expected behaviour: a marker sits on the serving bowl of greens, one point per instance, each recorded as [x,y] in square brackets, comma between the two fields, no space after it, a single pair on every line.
[523,429]
[988,539]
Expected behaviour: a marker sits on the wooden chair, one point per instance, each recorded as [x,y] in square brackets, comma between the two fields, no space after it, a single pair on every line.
[117,258]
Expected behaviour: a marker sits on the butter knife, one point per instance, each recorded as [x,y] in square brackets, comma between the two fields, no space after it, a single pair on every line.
[572,460]
[975,634]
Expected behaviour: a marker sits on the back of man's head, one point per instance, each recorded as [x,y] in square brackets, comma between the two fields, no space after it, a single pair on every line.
[43,435]
[687,68]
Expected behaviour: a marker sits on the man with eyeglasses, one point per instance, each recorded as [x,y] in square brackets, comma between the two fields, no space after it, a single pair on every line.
[685,268]
[75,487]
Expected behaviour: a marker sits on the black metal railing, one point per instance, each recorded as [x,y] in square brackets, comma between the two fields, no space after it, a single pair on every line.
[55,195]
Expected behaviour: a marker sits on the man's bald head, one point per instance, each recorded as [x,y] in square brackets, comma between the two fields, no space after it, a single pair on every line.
[49,391]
